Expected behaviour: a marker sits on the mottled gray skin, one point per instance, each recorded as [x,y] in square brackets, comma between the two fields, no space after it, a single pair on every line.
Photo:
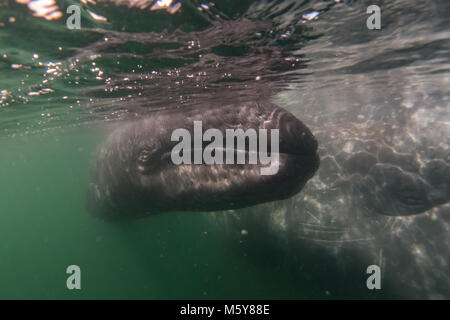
[134,175]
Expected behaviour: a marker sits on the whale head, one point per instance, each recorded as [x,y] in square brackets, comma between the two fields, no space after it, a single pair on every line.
[202,159]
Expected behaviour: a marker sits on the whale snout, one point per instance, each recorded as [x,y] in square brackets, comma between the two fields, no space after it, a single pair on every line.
[295,137]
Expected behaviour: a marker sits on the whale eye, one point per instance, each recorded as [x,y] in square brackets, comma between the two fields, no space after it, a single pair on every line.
[143,159]
[144,155]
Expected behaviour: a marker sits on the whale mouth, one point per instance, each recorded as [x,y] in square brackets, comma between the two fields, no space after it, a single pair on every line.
[245,154]
[291,146]
[235,144]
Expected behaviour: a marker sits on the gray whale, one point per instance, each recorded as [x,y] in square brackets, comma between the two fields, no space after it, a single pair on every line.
[133,174]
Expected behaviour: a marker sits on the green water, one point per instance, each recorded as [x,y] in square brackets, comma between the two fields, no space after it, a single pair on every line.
[48,143]
[45,227]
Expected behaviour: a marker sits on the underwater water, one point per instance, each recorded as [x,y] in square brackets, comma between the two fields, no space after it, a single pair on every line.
[376,100]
